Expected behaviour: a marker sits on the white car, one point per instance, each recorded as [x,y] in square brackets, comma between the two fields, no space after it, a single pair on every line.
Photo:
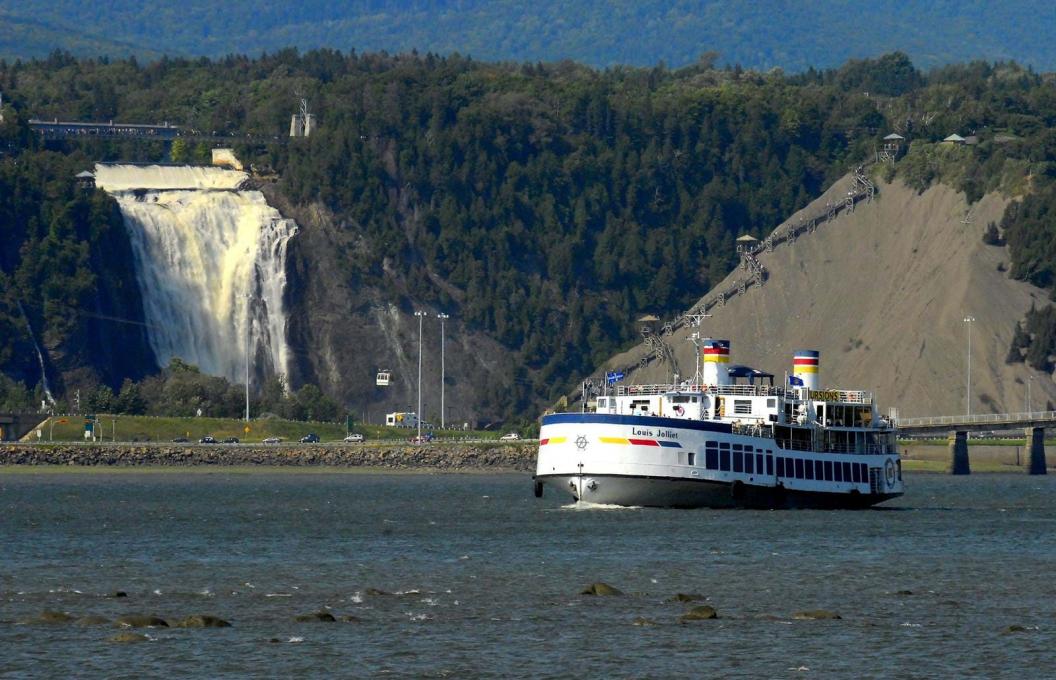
[355,438]
[510,436]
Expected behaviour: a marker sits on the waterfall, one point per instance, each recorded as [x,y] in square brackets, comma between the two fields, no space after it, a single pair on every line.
[44,385]
[210,260]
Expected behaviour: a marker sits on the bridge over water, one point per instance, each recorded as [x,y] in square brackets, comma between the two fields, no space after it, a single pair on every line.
[957,429]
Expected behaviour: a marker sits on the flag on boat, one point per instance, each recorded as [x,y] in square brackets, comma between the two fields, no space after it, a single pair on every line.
[794,381]
[613,377]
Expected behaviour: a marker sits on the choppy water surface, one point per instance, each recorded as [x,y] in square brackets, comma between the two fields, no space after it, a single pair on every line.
[483,579]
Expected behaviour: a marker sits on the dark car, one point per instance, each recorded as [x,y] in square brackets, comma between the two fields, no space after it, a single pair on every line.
[180,440]
[231,440]
[207,439]
[310,438]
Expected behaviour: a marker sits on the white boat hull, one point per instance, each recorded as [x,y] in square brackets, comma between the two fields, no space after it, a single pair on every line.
[665,462]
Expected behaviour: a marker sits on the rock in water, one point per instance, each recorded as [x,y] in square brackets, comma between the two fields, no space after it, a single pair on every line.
[118,593]
[203,621]
[92,620]
[141,621]
[688,597]
[129,637]
[642,621]
[600,589]
[1014,628]
[701,613]
[315,616]
[816,615]
[49,616]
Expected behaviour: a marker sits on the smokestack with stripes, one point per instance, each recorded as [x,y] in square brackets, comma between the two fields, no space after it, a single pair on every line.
[805,367]
[716,359]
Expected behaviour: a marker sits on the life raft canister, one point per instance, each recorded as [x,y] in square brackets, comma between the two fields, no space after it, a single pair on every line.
[889,472]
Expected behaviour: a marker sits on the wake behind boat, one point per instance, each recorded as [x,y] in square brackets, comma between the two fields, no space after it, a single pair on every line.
[728,438]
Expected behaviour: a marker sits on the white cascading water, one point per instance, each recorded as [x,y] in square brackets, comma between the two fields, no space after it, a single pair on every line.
[210,260]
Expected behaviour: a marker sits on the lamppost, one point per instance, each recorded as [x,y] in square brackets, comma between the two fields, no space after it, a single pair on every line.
[420,315]
[442,317]
[249,323]
[968,396]
[1030,379]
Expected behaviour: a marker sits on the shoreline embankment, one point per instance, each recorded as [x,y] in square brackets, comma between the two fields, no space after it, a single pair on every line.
[431,457]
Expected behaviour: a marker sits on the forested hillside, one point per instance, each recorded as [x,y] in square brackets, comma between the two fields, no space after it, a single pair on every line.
[790,35]
[547,206]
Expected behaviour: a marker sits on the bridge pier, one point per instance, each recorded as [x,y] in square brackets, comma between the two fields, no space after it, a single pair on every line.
[1036,442]
[958,443]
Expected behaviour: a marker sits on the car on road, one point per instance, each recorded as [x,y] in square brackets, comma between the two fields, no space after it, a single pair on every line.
[207,439]
[355,438]
[310,438]
[425,438]
[231,440]
[180,440]
[273,440]
[510,436]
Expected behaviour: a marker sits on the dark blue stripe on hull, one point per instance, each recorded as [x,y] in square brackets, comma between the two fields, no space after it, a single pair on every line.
[643,421]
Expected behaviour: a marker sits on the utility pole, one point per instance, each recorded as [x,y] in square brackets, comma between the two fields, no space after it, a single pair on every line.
[1030,379]
[420,315]
[248,324]
[442,317]
[968,396]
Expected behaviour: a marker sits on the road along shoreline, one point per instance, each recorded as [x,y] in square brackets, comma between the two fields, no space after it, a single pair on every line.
[437,457]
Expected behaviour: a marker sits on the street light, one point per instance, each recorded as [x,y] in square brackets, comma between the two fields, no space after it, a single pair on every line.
[420,315]
[442,317]
[968,396]
[249,323]
[1030,379]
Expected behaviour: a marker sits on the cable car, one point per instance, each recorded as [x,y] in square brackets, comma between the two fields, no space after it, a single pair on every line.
[382,379]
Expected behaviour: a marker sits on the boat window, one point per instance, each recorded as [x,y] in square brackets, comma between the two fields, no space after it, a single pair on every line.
[799,468]
[863,474]
[681,400]
[759,463]
[742,406]
[737,447]
[808,468]
[738,461]
[725,446]
[712,459]
[780,466]
[712,445]
[769,465]
[748,448]
[837,472]
[846,472]
[856,475]
[819,470]
[771,403]
[828,471]
[724,461]
[749,464]
[692,458]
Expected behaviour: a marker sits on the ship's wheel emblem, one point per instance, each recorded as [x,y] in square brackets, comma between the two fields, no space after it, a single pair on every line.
[581,442]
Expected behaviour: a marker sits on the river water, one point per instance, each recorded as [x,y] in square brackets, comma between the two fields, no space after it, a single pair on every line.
[483,580]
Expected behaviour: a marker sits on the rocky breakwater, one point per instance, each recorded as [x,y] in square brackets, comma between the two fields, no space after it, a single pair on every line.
[434,456]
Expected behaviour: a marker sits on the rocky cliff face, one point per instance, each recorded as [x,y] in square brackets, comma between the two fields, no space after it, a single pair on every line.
[351,315]
[882,292]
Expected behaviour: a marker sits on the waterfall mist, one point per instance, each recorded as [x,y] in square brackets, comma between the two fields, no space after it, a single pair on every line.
[210,261]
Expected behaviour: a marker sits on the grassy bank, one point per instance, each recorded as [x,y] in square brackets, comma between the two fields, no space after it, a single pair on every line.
[124,428]
[942,466]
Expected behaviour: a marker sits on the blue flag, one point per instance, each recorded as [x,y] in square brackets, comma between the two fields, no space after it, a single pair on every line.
[794,381]
[613,377]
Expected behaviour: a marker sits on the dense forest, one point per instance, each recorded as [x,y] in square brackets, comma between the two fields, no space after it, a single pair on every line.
[548,205]
[789,35]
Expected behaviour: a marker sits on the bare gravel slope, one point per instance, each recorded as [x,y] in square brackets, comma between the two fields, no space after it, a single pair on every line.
[883,292]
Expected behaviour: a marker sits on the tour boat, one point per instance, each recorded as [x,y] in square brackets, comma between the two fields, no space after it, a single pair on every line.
[727,438]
